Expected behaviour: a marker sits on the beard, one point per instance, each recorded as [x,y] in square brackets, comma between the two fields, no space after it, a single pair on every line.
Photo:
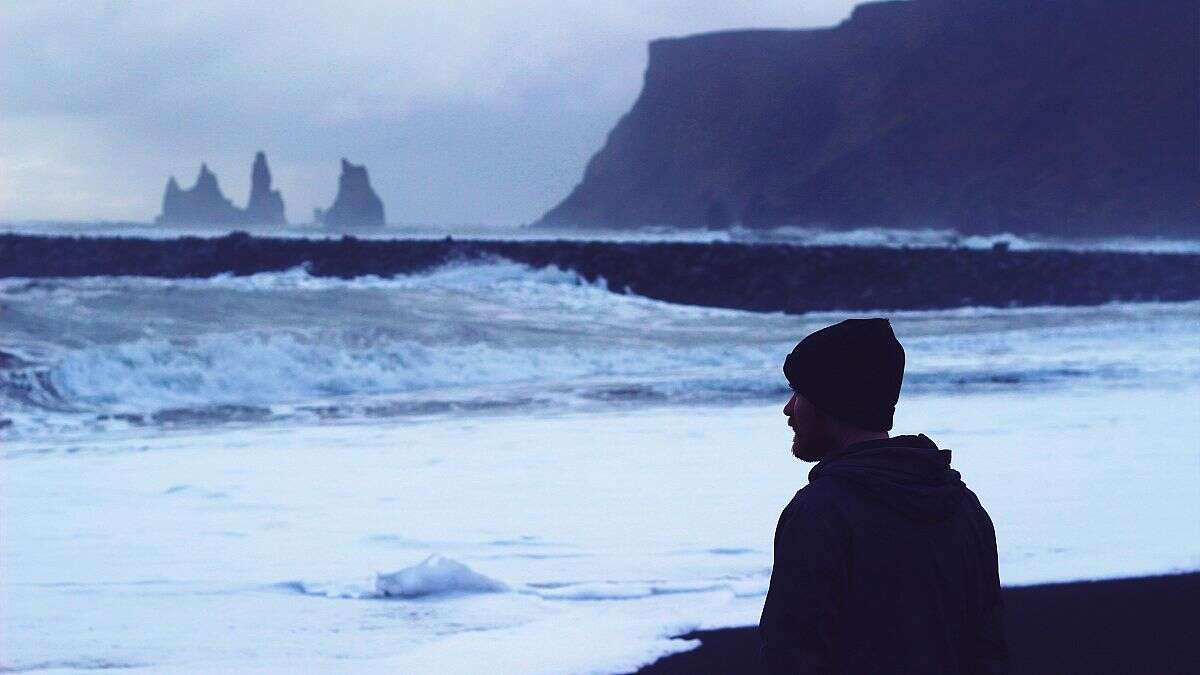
[812,445]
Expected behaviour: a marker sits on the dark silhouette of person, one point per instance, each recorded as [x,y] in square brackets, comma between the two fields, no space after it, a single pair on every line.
[885,562]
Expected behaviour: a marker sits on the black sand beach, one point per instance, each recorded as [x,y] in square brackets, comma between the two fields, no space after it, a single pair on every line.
[1142,626]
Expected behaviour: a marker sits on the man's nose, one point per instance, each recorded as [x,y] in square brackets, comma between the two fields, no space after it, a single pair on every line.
[787,407]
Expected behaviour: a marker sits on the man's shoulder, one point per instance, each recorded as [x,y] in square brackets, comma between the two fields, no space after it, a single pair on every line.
[819,496]
[815,513]
[977,509]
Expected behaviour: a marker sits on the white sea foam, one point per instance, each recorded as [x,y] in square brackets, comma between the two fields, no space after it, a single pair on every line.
[612,530]
[109,352]
[597,532]
[633,590]
[946,237]
[476,274]
[434,576]
[787,234]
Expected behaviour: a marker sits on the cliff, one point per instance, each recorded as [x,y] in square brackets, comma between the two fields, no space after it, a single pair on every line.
[204,204]
[1071,117]
[356,203]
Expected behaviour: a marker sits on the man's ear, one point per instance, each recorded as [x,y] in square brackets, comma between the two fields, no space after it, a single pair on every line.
[831,427]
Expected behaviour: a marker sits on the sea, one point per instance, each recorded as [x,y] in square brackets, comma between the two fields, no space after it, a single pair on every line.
[491,467]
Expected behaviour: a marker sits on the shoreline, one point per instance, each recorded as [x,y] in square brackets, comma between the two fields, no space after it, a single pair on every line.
[756,277]
[1129,625]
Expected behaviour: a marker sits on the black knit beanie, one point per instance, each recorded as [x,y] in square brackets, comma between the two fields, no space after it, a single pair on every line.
[851,371]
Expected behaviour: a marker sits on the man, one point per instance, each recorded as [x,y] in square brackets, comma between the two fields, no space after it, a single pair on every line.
[885,562]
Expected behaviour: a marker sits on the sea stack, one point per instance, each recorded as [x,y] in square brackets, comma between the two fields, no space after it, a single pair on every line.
[203,203]
[356,204]
[265,205]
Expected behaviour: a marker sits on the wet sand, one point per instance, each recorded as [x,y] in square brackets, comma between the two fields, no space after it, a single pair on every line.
[1127,626]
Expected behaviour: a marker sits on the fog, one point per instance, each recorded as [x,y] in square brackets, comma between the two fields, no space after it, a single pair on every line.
[465,113]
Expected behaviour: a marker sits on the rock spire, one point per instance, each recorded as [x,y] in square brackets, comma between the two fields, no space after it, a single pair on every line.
[265,205]
[204,204]
[356,203]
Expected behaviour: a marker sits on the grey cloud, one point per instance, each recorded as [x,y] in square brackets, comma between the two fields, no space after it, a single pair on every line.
[466,111]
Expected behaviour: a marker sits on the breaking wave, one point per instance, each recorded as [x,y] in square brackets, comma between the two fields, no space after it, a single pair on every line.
[947,237]
[494,335]
[789,234]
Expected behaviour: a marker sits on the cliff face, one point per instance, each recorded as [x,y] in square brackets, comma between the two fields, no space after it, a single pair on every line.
[204,204]
[356,203]
[1067,117]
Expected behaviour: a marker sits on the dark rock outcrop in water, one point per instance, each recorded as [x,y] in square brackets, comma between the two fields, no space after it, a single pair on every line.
[265,205]
[204,204]
[1067,117]
[784,278]
[356,203]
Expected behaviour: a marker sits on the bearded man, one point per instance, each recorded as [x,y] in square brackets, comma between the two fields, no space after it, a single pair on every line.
[885,562]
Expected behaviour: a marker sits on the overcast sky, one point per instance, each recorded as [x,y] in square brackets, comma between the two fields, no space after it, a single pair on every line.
[465,112]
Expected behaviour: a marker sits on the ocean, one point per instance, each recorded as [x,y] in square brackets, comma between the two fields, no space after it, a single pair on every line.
[491,465]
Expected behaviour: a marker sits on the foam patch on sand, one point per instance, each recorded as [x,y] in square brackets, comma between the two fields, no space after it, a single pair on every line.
[436,575]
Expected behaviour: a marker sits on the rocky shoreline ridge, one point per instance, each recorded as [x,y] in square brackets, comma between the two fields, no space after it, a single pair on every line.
[776,277]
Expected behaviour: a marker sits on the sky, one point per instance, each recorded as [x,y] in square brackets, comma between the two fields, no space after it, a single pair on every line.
[465,112]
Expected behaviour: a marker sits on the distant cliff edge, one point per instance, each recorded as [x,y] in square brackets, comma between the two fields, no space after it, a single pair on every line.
[204,204]
[1072,117]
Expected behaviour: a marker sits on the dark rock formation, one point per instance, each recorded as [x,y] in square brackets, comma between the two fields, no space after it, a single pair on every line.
[203,203]
[356,203]
[1070,117]
[784,278]
[265,205]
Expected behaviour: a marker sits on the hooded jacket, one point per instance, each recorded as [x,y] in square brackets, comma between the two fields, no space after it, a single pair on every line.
[884,563]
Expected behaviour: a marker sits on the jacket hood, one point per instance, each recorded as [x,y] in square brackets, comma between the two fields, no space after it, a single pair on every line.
[907,473]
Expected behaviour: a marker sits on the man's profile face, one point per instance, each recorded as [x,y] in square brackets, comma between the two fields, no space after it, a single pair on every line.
[810,436]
